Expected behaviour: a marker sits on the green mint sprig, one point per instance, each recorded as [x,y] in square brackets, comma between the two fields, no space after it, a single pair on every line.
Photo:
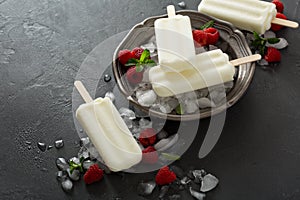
[141,63]
[207,25]
[259,43]
[74,165]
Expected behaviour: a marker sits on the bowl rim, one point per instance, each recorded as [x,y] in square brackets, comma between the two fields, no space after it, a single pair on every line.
[194,116]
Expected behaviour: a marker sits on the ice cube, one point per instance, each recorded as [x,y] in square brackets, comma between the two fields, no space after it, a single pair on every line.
[269,34]
[62,164]
[61,175]
[205,103]
[146,188]
[126,112]
[86,164]
[147,98]
[83,153]
[208,183]
[75,175]
[145,123]
[190,106]
[67,185]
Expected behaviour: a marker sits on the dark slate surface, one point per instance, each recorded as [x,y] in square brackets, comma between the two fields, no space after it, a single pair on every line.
[43,43]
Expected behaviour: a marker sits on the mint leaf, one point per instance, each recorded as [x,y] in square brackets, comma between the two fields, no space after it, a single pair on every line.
[145,55]
[256,36]
[273,40]
[132,62]
[207,25]
[179,110]
[171,157]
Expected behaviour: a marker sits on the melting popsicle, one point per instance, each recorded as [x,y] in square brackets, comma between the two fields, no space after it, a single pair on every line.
[107,131]
[251,15]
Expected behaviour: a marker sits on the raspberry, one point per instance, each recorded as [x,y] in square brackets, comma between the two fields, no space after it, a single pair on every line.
[133,76]
[124,56]
[137,52]
[93,174]
[212,35]
[164,176]
[272,55]
[200,37]
[276,27]
[150,155]
[147,137]
[279,5]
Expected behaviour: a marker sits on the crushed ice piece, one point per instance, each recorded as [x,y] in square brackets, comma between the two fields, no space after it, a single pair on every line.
[150,46]
[94,154]
[262,62]
[145,123]
[126,112]
[67,185]
[205,103]
[185,180]
[86,164]
[110,95]
[166,143]
[163,191]
[197,195]
[201,93]
[42,146]
[75,175]
[84,141]
[83,153]
[269,34]
[162,134]
[175,197]
[147,98]
[59,144]
[128,122]
[190,106]
[217,96]
[279,45]
[146,188]
[75,160]
[61,164]
[182,4]
[208,183]
[61,175]
[199,174]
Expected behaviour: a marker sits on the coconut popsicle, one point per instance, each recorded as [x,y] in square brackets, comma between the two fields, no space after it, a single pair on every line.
[209,69]
[251,15]
[174,40]
[108,132]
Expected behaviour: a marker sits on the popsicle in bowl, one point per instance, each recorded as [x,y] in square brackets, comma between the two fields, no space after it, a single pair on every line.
[107,131]
[251,15]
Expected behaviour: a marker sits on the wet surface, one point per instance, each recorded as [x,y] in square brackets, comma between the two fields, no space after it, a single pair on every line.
[42,45]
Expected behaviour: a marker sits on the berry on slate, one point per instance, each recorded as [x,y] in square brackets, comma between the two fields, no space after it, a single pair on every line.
[93,174]
[279,5]
[124,56]
[212,35]
[147,137]
[276,27]
[133,76]
[150,155]
[272,55]
[164,176]
[200,37]
[137,52]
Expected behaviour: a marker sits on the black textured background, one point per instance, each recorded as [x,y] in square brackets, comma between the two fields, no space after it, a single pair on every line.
[43,43]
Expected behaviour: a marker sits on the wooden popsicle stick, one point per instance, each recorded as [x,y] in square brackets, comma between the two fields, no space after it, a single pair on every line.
[284,22]
[83,92]
[171,11]
[246,59]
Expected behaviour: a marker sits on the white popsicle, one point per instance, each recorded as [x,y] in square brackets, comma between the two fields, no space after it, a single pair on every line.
[108,132]
[251,15]
[174,40]
[210,68]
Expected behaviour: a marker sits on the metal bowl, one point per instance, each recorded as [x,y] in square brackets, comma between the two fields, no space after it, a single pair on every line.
[237,47]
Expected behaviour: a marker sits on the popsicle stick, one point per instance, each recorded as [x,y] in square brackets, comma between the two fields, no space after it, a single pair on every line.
[83,92]
[284,22]
[246,59]
[171,11]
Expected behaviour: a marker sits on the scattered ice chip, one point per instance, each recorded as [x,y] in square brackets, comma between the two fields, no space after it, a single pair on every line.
[75,175]
[111,96]
[59,144]
[269,34]
[126,112]
[197,195]
[145,123]
[279,45]
[164,144]
[199,173]
[182,4]
[61,164]
[163,191]
[217,96]
[128,122]
[84,141]
[61,175]
[263,62]
[205,103]
[74,160]
[146,188]
[147,98]
[208,183]
[185,180]
[42,146]
[190,106]
[86,164]
[83,153]
[67,185]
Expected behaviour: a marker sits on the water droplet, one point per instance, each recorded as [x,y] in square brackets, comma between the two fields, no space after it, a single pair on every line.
[28,142]
[42,146]
[29,147]
[107,77]
[59,144]
[49,147]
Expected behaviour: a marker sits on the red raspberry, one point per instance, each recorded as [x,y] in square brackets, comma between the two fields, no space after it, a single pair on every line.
[276,27]
[124,56]
[272,55]
[137,52]
[212,35]
[150,155]
[200,37]
[279,5]
[147,137]
[93,174]
[164,176]
[133,76]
